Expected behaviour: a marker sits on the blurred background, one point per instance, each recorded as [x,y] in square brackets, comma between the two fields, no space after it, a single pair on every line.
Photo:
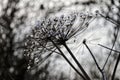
[17,17]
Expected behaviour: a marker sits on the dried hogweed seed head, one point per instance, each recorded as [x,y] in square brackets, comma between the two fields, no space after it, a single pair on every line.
[58,29]
[67,26]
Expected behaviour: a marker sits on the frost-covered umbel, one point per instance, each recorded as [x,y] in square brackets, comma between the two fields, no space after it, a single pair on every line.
[62,28]
[59,29]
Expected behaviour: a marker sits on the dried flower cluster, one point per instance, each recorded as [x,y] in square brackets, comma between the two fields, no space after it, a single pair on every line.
[63,27]
[56,29]
[50,33]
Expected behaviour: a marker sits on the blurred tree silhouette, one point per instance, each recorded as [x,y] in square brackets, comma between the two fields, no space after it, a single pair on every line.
[11,67]
[13,64]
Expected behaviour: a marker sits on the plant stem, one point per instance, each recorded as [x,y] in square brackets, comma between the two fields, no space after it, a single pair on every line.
[103,75]
[115,68]
[76,61]
[111,48]
[68,60]
[93,57]
[118,59]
